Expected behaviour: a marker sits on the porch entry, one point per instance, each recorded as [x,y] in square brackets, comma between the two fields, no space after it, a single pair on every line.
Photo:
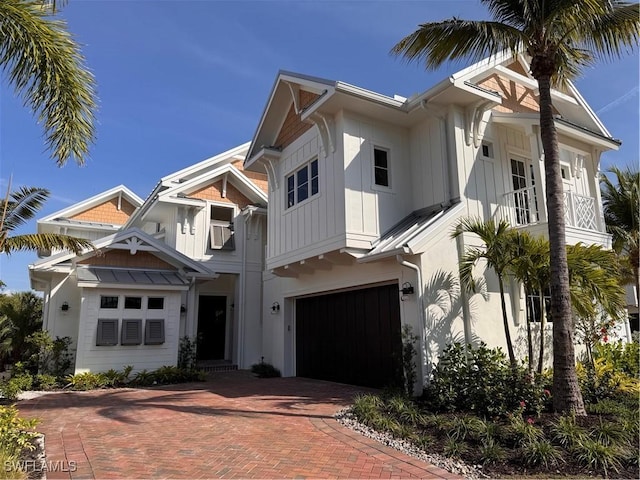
[524,192]
[212,327]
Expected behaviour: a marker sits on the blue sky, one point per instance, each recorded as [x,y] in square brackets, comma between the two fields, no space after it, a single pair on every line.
[180,81]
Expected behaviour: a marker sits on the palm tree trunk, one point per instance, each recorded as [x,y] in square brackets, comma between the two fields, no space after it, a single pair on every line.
[505,322]
[566,390]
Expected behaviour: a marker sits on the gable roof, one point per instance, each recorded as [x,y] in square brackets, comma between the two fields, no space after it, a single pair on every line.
[66,215]
[172,187]
[464,88]
[133,240]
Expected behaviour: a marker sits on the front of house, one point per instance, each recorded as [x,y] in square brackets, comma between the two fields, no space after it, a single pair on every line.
[363,191]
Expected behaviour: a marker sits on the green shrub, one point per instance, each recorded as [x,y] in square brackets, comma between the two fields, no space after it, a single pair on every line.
[87,381]
[16,433]
[17,384]
[454,448]
[566,432]
[44,381]
[117,378]
[187,354]
[491,452]
[596,456]
[624,357]
[541,452]
[409,354]
[265,370]
[481,381]
[167,375]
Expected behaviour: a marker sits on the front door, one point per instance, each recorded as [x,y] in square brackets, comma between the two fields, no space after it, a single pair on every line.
[212,327]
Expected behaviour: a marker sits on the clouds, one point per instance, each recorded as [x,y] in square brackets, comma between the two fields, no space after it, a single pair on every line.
[620,100]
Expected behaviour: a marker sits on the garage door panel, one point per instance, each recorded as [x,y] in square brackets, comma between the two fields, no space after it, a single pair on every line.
[350,337]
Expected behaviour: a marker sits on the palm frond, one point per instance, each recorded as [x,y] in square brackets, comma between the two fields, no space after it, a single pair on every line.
[43,241]
[22,205]
[614,32]
[44,65]
[450,40]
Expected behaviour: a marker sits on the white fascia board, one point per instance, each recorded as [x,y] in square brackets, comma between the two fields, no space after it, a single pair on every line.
[236,153]
[83,226]
[417,242]
[134,199]
[189,202]
[531,119]
[370,95]
[482,66]
[132,286]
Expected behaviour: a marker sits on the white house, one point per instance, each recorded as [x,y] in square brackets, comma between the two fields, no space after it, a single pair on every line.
[187,261]
[363,193]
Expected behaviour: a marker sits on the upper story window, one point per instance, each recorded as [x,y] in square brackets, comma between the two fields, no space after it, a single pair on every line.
[381,175]
[487,149]
[221,228]
[302,184]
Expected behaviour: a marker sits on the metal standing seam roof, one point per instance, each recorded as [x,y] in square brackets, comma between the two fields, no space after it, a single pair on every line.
[408,228]
[130,277]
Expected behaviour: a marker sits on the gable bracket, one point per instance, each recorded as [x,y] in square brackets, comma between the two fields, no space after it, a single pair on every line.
[473,118]
[224,186]
[325,129]
[294,88]
[271,173]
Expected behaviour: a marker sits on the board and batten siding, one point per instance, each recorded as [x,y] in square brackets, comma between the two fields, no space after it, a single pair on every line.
[101,358]
[429,175]
[315,225]
[370,209]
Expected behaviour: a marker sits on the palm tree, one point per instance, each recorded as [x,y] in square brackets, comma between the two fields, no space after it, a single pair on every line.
[20,206]
[621,201]
[498,240]
[530,266]
[561,37]
[45,67]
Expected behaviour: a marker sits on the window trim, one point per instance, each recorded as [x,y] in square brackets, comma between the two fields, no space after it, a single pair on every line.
[310,182]
[211,223]
[374,185]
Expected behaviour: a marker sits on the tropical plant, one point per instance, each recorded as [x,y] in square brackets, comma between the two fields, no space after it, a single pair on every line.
[621,202]
[530,265]
[44,65]
[498,239]
[561,37]
[20,206]
[23,312]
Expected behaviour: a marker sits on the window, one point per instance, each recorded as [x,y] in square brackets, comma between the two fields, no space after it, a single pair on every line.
[108,302]
[487,149]
[381,167]
[533,306]
[131,333]
[155,303]
[564,171]
[302,184]
[107,332]
[133,303]
[154,332]
[221,228]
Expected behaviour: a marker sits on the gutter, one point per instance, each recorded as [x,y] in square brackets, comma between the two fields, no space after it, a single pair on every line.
[423,322]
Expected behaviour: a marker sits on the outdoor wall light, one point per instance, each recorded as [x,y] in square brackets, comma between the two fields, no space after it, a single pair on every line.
[183,309]
[64,307]
[275,308]
[407,289]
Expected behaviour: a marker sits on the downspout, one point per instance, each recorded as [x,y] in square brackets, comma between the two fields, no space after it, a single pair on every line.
[423,323]
[243,286]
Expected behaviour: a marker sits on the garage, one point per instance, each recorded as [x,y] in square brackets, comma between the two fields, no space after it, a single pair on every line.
[350,337]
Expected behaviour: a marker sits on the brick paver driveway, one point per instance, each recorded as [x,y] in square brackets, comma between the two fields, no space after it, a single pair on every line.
[233,426]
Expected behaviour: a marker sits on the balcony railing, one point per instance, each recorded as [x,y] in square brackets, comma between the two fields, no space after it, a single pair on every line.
[521,207]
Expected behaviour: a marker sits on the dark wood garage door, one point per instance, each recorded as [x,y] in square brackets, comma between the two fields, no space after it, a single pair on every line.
[350,337]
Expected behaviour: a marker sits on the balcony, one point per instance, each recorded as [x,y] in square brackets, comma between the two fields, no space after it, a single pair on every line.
[522,208]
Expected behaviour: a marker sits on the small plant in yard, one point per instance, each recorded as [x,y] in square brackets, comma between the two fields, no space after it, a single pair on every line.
[409,353]
[11,388]
[596,456]
[187,353]
[454,448]
[265,370]
[541,452]
[566,432]
[87,381]
[16,433]
[491,452]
